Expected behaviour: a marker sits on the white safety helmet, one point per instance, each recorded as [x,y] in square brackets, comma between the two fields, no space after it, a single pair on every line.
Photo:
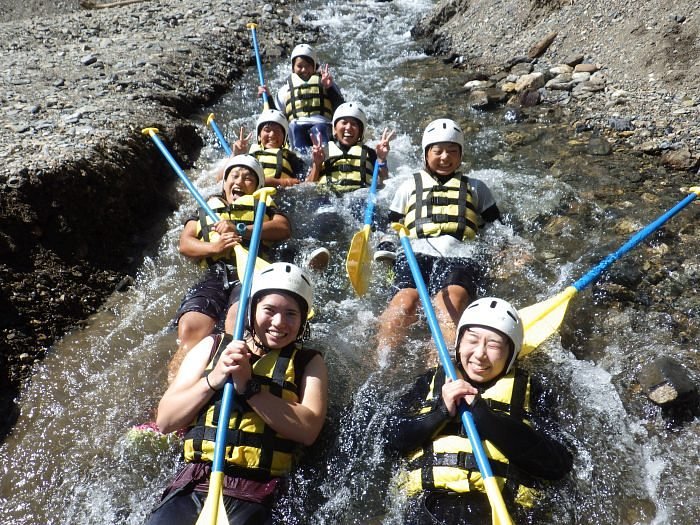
[305,50]
[272,115]
[287,278]
[247,161]
[351,109]
[442,130]
[497,314]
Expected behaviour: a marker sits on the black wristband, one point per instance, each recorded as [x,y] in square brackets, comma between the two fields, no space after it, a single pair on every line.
[206,378]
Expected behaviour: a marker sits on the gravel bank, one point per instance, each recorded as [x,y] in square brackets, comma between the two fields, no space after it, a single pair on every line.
[646,56]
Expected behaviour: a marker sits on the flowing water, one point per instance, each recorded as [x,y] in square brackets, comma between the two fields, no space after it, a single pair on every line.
[70,460]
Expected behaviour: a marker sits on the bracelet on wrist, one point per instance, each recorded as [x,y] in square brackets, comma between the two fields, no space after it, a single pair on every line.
[206,378]
[381,164]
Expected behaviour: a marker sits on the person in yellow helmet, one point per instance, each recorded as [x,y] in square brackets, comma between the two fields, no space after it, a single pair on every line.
[212,246]
[308,98]
[279,404]
[441,478]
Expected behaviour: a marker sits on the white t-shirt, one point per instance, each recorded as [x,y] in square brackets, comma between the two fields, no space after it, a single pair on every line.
[444,245]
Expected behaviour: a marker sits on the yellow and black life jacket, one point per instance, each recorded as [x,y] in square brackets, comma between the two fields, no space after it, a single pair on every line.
[276,162]
[306,98]
[436,208]
[253,449]
[447,463]
[347,170]
[241,211]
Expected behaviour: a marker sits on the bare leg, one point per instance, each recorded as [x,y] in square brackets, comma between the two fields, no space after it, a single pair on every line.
[191,329]
[395,320]
[450,302]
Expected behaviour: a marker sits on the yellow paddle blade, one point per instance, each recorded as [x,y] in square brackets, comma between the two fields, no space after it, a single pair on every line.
[242,260]
[499,513]
[214,511]
[543,319]
[359,260]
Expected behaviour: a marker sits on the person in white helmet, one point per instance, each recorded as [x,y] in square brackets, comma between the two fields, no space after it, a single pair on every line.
[279,404]
[281,165]
[442,480]
[347,163]
[443,209]
[211,245]
[308,98]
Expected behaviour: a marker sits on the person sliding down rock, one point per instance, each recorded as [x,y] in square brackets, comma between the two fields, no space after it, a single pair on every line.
[442,479]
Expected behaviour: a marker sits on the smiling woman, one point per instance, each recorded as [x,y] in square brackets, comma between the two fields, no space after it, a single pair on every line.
[279,404]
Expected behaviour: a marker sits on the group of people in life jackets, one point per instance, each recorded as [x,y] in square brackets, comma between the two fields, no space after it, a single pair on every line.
[281,385]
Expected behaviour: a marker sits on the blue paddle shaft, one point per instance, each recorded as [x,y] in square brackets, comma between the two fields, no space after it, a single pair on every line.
[220,136]
[638,237]
[226,401]
[467,419]
[372,197]
[259,64]
[180,173]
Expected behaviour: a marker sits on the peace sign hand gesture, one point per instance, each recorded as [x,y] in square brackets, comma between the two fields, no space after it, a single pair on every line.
[326,77]
[242,143]
[383,144]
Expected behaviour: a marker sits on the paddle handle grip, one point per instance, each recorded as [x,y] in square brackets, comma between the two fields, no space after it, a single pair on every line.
[253,34]
[219,134]
[372,197]
[152,132]
[638,237]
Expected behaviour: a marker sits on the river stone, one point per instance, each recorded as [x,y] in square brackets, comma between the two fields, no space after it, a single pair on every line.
[475,85]
[529,82]
[599,146]
[666,382]
[680,159]
[586,68]
[562,82]
[478,99]
[524,68]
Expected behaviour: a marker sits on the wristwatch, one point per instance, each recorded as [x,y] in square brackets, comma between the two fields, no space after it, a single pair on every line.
[252,387]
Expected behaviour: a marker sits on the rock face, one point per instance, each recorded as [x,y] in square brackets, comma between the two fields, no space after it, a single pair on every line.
[82,192]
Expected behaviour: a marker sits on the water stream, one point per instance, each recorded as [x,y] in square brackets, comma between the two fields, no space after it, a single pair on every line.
[70,460]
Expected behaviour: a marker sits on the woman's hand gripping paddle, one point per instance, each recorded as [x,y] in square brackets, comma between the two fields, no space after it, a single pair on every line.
[219,135]
[359,258]
[499,513]
[543,319]
[240,252]
[253,34]
[214,511]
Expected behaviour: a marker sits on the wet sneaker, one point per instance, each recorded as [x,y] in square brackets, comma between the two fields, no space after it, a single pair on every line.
[386,250]
[318,259]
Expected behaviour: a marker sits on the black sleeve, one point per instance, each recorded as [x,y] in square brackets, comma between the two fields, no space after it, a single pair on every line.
[525,447]
[335,95]
[395,216]
[407,430]
[491,214]
[298,166]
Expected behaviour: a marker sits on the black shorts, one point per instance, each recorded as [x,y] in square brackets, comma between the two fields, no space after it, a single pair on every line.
[211,296]
[438,273]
